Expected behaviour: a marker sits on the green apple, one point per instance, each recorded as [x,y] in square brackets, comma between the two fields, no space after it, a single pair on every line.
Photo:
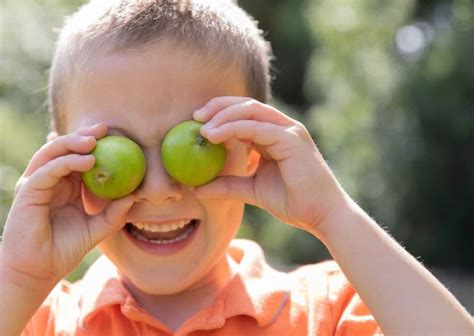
[120,166]
[188,157]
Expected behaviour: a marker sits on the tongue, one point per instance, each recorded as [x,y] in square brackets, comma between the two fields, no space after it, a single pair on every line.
[161,235]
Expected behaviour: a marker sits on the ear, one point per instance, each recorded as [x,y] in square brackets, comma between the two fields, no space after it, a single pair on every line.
[93,205]
[253,161]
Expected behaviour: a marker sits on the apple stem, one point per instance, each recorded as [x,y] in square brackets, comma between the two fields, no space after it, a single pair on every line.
[200,140]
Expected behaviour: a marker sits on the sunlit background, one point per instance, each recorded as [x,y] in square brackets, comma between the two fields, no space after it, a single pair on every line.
[385,87]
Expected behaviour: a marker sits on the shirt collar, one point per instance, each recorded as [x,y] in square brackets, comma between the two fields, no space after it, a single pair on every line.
[256,290]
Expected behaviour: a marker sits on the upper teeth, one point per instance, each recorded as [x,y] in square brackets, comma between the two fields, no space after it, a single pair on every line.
[170,226]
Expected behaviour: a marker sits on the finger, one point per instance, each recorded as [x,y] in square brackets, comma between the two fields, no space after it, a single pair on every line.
[262,133]
[112,219]
[82,142]
[229,187]
[49,175]
[216,104]
[96,130]
[249,110]
[270,140]
[60,146]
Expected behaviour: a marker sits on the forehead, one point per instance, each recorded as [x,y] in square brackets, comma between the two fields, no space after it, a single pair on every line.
[150,88]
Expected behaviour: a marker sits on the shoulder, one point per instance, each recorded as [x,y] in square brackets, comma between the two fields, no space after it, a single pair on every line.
[324,278]
[69,306]
[330,300]
[59,311]
[322,285]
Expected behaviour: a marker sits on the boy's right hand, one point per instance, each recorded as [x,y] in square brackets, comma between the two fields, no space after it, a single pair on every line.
[47,232]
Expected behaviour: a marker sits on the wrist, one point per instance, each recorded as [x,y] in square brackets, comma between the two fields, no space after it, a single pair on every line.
[16,288]
[11,277]
[345,217]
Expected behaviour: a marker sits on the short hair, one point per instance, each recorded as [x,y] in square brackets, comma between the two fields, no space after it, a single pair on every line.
[217,29]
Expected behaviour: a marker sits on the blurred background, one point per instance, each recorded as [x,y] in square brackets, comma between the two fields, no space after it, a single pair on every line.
[385,87]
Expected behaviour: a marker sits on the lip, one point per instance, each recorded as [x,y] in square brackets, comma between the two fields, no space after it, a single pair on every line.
[164,249]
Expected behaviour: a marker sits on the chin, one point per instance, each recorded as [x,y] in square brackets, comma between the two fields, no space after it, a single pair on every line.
[161,285]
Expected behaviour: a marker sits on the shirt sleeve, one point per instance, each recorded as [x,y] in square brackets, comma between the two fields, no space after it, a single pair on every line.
[42,323]
[356,319]
[56,314]
[349,314]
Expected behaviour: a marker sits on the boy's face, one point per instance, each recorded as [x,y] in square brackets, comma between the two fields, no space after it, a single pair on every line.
[143,94]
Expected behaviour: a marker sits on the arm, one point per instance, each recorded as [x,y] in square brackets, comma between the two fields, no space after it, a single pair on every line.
[20,297]
[37,251]
[403,296]
[294,183]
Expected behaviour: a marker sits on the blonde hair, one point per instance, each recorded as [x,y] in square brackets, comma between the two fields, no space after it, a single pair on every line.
[216,29]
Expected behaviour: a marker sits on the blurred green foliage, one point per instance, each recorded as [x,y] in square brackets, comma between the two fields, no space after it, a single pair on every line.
[385,87]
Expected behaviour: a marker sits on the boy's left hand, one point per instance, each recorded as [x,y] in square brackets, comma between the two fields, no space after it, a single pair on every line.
[293,181]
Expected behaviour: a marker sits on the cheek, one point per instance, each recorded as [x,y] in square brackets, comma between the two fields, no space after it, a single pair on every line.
[109,247]
[224,218]
[114,248]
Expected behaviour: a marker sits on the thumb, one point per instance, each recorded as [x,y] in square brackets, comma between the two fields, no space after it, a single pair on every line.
[92,204]
[112,219]
[229,187]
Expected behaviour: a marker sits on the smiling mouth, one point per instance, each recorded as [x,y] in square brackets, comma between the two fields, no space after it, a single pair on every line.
[164,233]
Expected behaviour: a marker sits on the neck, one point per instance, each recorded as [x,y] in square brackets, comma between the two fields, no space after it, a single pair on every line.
[174,309]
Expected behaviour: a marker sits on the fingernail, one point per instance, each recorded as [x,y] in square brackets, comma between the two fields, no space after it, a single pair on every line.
[207,126]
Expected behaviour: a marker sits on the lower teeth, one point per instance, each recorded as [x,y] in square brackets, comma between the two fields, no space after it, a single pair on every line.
[182,236]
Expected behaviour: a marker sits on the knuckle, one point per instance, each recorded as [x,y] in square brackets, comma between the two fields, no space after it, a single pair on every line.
[299,124]
[252,103]
[26,188]
[67,139]
[50,144]
[44,147]
[299,130]
[212,103]
[51,167]
[63,161]
[19,184]
[70,140]
[253,131]
[82,129]
[51,136]
[266,126]
[57,139]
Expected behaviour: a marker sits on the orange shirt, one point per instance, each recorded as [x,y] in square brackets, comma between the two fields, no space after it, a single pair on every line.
[312,300]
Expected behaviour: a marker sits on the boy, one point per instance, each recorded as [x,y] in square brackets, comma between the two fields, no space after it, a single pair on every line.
[170,264]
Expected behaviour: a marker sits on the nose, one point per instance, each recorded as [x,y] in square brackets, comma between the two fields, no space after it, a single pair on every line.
[157,186]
